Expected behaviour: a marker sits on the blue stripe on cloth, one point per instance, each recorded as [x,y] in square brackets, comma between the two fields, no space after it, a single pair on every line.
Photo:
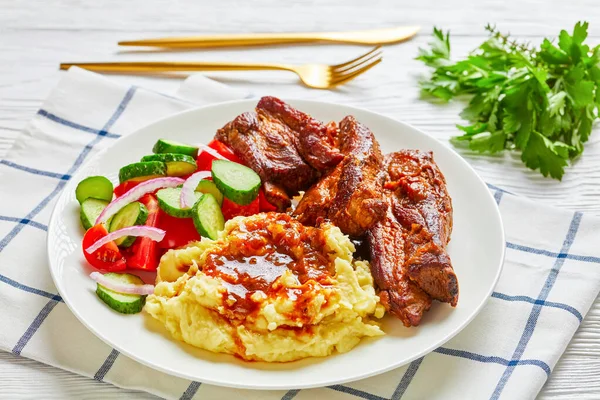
[498,196]
[35,171]
[496,188]
[537,308]
[407,379]
[24,221]
[356,392]
[531,300]
[492,359]
[29,289]
[290,394]
[84,153]
[106,365]
[190,391]
[542,252]
[34,327]
[15,231]
[102,132]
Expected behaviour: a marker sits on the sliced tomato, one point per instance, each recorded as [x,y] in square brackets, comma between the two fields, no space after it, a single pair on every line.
[106,258]
[124,187]
[205,159]
[179,231]
[224,150]
[231,209]
[144,253]
[263,203]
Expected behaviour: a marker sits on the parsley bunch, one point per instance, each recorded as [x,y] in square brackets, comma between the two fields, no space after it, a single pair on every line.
[541,102]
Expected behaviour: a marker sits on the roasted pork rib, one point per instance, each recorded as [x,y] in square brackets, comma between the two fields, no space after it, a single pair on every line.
[351,195]
[398,293]
[287,148]
[409,261]
[315,142]
[422,206]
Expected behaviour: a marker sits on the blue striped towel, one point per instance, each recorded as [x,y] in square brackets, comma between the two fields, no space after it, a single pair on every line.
[550,279]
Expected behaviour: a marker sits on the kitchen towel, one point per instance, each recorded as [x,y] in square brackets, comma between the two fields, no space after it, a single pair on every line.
[550,278]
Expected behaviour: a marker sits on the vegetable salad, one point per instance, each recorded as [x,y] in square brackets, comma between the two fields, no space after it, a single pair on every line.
[168,199]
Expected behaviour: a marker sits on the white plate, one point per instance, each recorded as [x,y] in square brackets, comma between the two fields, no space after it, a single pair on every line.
[477,251]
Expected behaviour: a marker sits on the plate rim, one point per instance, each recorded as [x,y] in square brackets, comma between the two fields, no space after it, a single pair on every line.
[378,371]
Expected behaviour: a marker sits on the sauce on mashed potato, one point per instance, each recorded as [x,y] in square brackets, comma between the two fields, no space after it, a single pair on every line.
[268,289]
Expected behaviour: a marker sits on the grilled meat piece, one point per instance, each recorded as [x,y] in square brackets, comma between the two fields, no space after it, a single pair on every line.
[358,203]
[277,196]
[423,208]
[314,206]
[398,293]
[316,142]
[351,195]
[266,146]
[287,148]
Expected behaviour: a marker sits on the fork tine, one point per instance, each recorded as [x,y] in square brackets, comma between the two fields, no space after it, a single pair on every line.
[341,79]
[337,75]
[363,61]
[356,59]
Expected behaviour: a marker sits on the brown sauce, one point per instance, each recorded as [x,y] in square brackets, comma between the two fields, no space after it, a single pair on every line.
[260,251]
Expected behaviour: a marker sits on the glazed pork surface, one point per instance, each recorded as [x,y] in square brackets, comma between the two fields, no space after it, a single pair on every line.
[409,262]
[421,204]
[287,148]
[351,195]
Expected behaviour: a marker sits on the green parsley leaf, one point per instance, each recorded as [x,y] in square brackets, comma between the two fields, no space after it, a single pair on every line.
[565,41]
[585,125]
[580,90]
[540,101]
[579,32]
[550,158]
[488,142]
[439,53]
[471,130]
[552,54]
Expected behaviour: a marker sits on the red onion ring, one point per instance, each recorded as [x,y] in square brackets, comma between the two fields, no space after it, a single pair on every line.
[210,151]
[124,288]
[139,230]
[188,198]
[136,193]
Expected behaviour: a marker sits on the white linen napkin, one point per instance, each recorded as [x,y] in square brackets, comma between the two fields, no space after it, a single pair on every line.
[550,279]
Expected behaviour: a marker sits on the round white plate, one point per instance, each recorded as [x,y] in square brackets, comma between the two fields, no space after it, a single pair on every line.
[477,251]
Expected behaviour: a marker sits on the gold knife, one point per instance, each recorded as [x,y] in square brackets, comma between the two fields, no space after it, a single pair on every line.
[367,37]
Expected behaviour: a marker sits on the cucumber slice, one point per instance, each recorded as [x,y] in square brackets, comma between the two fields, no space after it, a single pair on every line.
[206,186]
[132,214]
[169,146]
[98,187]
[177,164]
[122,303]
[90,211]
[142,171]
[237,182]
[169,201]
[207,216]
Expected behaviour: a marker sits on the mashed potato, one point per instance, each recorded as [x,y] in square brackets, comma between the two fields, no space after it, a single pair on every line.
[268,289]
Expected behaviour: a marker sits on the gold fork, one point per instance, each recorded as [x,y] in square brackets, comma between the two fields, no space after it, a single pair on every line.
[318,76]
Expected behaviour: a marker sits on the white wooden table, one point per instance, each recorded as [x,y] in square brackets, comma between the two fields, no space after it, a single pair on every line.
[36,36]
